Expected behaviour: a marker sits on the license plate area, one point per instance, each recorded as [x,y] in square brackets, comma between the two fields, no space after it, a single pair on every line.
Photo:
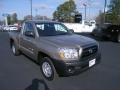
[92,62]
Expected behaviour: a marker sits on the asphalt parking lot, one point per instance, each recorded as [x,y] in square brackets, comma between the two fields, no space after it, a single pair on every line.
[21,73]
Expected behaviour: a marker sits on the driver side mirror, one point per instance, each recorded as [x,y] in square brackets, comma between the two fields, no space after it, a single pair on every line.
[71,30]
[29,34]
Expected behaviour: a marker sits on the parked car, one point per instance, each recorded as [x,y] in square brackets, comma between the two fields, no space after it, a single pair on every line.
[82,27]
[0,27]
[13,27]
[55,48]
[5,28]
[109,31]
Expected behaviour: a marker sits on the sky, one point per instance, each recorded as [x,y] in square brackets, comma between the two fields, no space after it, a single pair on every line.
[47,7]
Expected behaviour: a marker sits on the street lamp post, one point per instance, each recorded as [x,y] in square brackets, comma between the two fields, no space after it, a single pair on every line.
[31,8]
[85,10]
[105,10]
[69,12]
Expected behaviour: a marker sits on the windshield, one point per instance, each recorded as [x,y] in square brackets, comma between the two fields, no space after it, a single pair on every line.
[51,29]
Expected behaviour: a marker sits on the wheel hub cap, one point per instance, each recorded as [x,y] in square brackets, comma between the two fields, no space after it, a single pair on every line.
[13,49]
[47,69]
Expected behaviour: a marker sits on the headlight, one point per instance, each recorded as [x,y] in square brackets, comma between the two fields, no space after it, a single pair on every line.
[68,53]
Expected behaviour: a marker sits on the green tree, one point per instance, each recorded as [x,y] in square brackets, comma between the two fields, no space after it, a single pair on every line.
[65,12]
[113,14]
[14,18]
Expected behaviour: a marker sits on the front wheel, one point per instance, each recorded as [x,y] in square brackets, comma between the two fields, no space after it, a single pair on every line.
[47,68]
[15,51]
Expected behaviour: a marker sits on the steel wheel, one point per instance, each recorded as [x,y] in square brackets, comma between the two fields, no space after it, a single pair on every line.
[47,68]
[15,50]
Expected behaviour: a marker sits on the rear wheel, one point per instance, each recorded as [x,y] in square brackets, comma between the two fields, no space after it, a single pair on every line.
[15,51]
[47,68]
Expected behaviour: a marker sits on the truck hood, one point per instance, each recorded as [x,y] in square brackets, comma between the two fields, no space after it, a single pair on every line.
[69,40]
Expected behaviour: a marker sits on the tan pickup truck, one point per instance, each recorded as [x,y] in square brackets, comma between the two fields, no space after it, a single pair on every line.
[57,49]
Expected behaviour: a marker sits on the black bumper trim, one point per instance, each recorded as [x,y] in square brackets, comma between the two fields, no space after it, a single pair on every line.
[71,67]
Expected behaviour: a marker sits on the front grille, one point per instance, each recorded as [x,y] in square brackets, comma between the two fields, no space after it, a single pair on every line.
[89,51]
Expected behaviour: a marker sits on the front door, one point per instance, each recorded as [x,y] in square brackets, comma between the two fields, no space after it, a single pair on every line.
[27,43]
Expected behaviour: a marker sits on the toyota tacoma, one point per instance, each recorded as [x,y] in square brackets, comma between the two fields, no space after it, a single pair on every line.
[56,48]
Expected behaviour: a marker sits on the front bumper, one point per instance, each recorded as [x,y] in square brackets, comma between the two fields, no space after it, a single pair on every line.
[73,67]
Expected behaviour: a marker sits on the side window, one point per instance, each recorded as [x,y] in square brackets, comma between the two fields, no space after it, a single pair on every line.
[40,26]
[29,27]
[59,28]
[28,30]
[110,28]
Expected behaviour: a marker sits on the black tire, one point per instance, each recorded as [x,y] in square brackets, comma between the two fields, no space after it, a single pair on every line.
[49,72]
[118,38]
[14,49]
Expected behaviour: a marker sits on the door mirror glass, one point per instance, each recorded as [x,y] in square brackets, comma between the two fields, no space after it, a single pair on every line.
[71,30]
